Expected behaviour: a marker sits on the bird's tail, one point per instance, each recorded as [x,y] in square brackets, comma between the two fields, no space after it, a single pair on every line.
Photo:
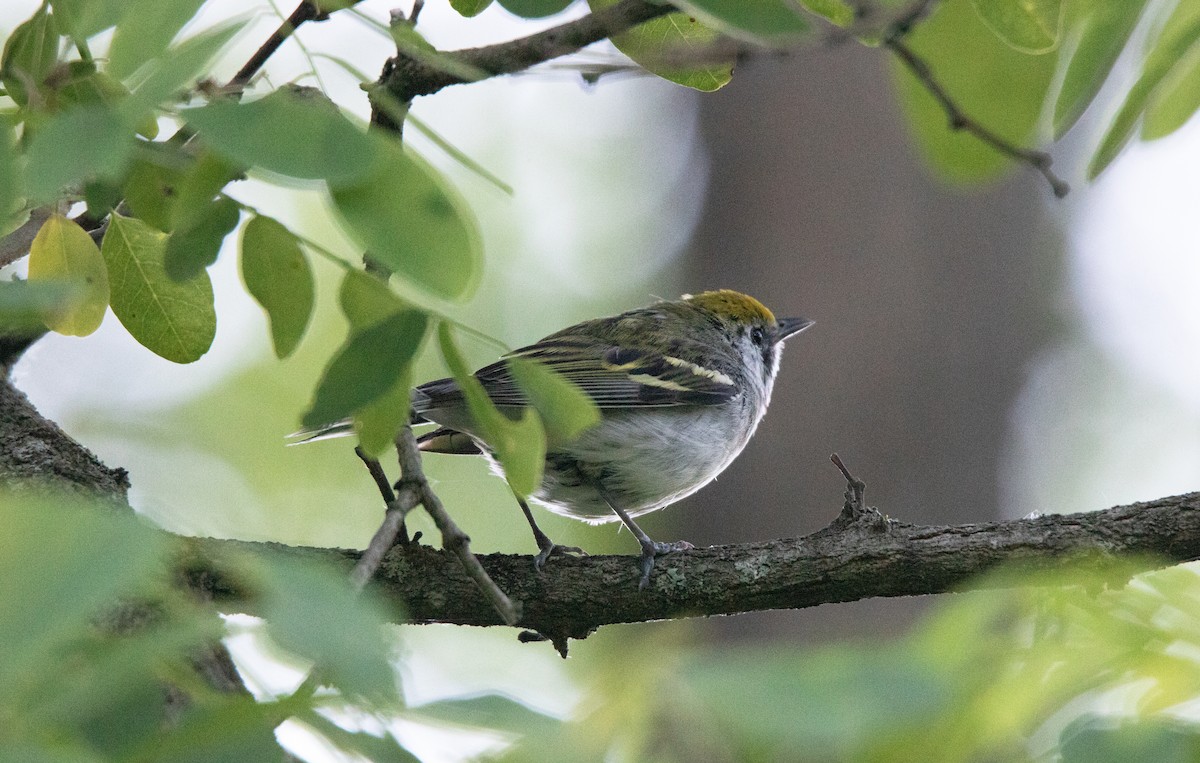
[345,427]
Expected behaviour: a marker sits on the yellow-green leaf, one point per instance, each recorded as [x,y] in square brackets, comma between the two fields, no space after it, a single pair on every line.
[565,409]
[277,274]
[1177,102]
[996,85]
[1030,26]
[470,8]
[378,422]
[659,46]
[365,299]
[1169,51]
[367,367]
[63,251]
[519,446]
[172,319]
[193,248]
[762,22]
[836,12]
[411,220]
[30,53]
[1105,31]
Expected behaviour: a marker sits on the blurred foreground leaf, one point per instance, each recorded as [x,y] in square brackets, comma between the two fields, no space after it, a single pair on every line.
[519,445]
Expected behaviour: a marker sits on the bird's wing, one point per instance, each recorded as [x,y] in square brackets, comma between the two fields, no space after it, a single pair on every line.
[613,377]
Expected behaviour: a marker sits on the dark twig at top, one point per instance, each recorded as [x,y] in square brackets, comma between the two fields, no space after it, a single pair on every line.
[895,41]
[405,77]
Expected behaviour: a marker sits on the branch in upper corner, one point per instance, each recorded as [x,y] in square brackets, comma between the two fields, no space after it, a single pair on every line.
[406,77]
[1039,160]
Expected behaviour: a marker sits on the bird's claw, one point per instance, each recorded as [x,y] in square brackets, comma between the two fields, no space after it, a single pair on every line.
[553,549]
[650,552]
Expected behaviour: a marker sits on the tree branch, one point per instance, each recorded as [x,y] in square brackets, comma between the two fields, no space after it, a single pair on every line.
[572,597]
[406,77]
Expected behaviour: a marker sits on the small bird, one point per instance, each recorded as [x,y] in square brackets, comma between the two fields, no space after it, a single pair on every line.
[681,386]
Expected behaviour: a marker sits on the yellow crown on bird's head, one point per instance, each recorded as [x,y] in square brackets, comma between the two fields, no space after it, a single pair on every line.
[740,307]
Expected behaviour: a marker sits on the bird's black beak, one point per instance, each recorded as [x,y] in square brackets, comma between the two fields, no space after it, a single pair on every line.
[787,327]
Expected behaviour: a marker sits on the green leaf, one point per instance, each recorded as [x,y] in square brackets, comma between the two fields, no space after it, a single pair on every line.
[59,154]
[366,300]
[491,711]
[519,446]
[145,30]
[30,54]
[412,222]
[366,367]
[10,178]
[77,559]
[277,275]
[1105,31]
[991,82]
[26,307]
[151,187]
[763,22]
[836,12]
[192,249]
[312,611]
[174,320]
[1177,99]
[1178,35]
[532,9]
[81,19]
[655,43]
[177,68]
[237,728]
[470,8]
[195,191]
[565,409]
[64,251]
[1030,26]
[288,134]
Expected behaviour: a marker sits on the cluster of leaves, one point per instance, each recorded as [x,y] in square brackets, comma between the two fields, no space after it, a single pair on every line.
[1028,71]
[135,148]
[1048,670]
[86,680]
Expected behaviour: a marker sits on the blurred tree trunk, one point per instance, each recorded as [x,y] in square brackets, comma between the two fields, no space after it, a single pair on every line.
[929,302]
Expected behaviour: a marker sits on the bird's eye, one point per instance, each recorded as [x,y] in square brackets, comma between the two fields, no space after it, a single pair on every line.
[756,335]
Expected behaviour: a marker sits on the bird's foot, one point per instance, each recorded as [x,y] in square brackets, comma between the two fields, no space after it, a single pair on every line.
[548,548]
[651,550]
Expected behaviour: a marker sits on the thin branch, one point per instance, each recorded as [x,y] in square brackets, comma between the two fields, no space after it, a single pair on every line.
[454,540]
[958,120]
[391,531]
[16,245]
[305,11]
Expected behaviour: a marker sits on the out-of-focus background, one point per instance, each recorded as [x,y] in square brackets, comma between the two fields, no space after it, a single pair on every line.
[980,352]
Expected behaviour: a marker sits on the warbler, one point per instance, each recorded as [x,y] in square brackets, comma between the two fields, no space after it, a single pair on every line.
[681,386]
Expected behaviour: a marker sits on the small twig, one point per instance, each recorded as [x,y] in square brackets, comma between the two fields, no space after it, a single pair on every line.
[920,69]
[392,530]
[855,488]
[305,11]
[377,474]
[453,538]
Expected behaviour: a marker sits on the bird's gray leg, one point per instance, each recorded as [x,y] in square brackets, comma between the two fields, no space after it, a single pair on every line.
[650,548]
[546,547]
